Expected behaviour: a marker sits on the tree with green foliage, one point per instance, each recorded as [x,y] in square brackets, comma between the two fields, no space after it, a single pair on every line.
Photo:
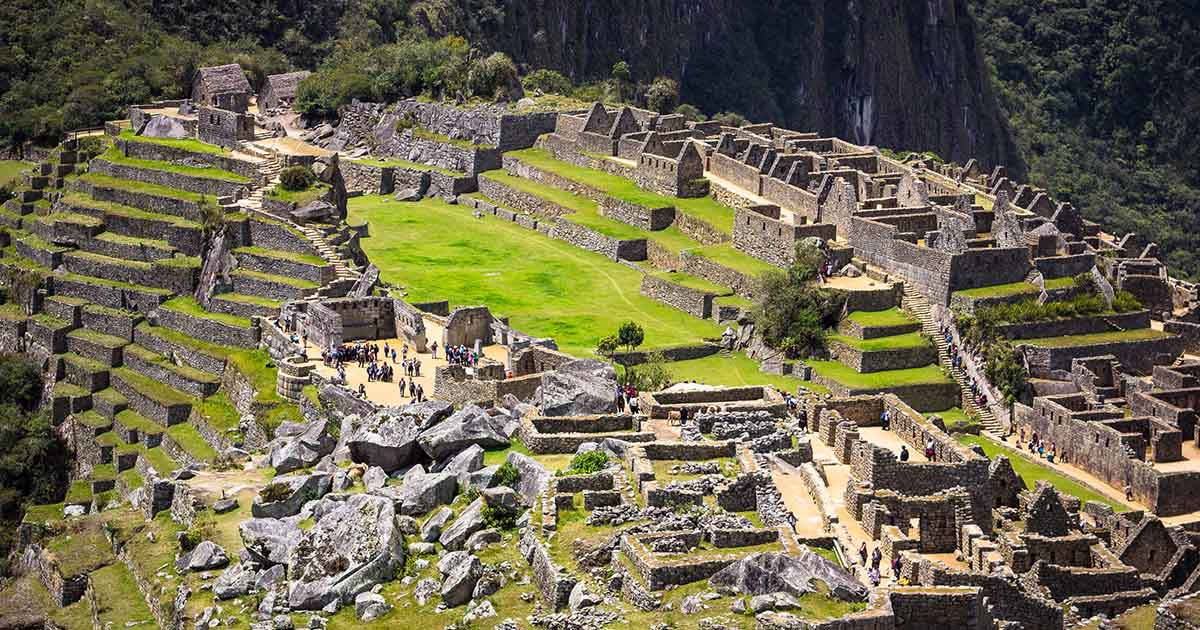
[33,461]
[662,95]
[547,81]
[690,113]
[630,335]
[296,178]
[731,119]
[794,311]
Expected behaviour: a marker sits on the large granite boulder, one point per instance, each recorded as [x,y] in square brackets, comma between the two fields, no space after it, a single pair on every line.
[386,440]
[268,541]
[160,126]
[467,523]
[464,463]
[426,414]
[470,425]
[534,476]
[423,492]
[432,529]
[285,496]
[767,573]
[207,556]
[303,449]
[462,572]
[353,546]
[235,581]
[579,388]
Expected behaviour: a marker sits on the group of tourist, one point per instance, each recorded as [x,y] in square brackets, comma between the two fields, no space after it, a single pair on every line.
[1037,446]
[627,399]
[876,560]
[460,355]
[957,359]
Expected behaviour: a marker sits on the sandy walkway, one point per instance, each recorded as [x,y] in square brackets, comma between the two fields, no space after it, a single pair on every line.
[388,393]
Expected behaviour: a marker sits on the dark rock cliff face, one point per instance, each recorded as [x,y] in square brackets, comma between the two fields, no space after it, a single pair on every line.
[903,74]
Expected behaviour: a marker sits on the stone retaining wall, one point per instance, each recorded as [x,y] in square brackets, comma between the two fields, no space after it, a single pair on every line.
[186,355]
[283,267]
[1076,326]
[699,230]
[864,361]
[180,181]
[552,581]
[1139,356]
[274,235]
[742,284]
[688,300]
[150,202]
[175,155]
[177,279]
[643,217]
[202,328]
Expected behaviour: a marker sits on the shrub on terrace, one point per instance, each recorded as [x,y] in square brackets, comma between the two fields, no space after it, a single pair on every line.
[795,311]
[297,178]
[547,81]
[587,463]
[506,475]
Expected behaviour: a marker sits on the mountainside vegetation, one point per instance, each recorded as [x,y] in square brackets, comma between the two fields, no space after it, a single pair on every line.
[1092,97]
[1101,101]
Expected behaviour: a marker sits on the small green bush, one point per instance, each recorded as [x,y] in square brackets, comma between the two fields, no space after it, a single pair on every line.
[275,492]
[297,178]
[1125,302]
[589,462]
[507,475]
[547,81]
[495,517]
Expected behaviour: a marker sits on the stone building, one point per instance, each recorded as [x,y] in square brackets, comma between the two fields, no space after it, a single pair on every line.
[279,90]
[222,87]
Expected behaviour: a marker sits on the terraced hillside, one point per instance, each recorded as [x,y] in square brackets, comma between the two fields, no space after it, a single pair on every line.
[146,379]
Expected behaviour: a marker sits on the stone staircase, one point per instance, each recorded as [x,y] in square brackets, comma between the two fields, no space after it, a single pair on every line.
[344,269]
[918,305]
[270,169]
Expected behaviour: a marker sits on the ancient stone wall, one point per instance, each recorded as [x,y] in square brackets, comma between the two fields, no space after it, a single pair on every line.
[1076,326]
[1138,356]
[553,582]
[742,284]
[864,361]
[175,155]
[193,183]
[223,127]
[688,300]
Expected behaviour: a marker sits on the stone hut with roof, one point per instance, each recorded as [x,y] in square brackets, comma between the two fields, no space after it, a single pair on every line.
[279,91]
[222,87]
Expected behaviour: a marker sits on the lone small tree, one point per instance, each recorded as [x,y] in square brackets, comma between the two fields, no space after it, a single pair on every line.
[630,335]
[607,346]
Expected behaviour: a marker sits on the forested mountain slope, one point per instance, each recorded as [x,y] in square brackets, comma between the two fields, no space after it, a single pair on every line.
[1094,96]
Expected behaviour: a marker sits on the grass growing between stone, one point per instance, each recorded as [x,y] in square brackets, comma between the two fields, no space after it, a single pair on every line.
[187,144]
[878,319]
[706,209]
[956,419]
[1033,472]
[691,282]
[189,306]
[547,287]
[141,187]
[879,344]
[735,369]
[115,156]
[1067,341]
[10,170]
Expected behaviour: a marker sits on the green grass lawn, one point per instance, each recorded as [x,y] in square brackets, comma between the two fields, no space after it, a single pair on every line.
[189,306]
[955,418]
[879,380]
[186,144]
[1033,473]
[691,282]
[548,287]
[142,187]
[704,208]
[879,319]
[893,342]
[1096,338]
[115,156]
[298,197]
[1015,288]
[10,170]
[77,200]
[734,370]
